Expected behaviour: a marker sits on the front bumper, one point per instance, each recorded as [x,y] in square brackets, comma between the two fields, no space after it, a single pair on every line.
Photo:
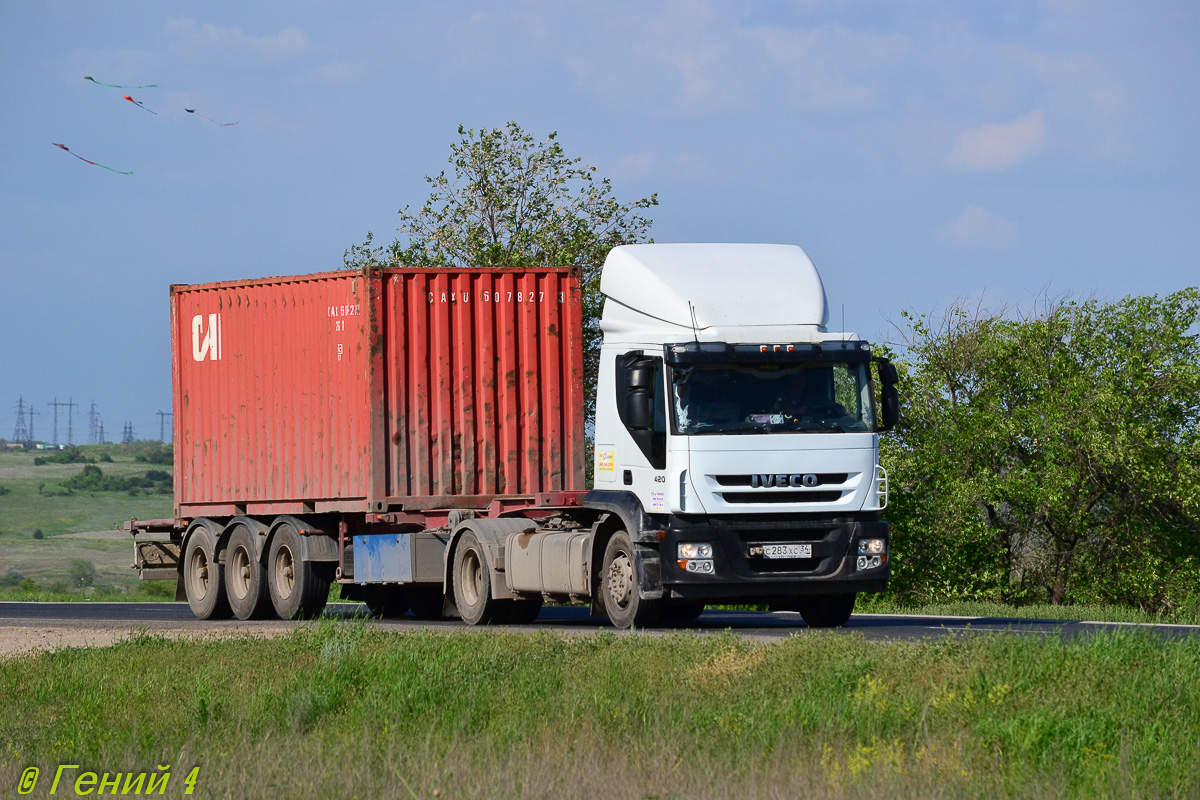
[741,576]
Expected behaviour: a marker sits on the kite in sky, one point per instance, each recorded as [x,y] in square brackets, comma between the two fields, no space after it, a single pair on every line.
[93,163]
[118,86]
[139,105]
[213,121]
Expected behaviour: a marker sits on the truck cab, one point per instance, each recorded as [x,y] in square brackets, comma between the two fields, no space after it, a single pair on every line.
[736,435]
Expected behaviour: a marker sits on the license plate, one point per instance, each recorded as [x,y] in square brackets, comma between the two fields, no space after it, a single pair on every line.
[787,551]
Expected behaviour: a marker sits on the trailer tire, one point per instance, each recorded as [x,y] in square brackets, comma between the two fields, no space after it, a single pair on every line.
[623,604]
[245,577]
[299,588]
[826,610]
[473,582]
[387,602]
[203,578]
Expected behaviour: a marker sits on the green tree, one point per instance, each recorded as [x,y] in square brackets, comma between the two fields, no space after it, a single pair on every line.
[514,201]
[1053,456]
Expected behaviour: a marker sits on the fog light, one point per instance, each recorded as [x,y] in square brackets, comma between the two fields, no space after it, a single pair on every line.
[694,550]
[870,546]
[870,562]
[704,567]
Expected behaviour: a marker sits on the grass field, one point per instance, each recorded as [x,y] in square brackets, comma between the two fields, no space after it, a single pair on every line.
[73,525]
[346,709]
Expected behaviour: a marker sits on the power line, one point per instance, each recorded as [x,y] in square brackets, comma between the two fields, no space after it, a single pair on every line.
[162,429]
[21,431]
[71,421]
[93,419]
[55,405]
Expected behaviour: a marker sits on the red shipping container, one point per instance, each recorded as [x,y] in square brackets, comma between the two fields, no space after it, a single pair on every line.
[384,390]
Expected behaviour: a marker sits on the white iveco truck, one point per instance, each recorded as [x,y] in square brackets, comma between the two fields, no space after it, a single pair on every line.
[737,438]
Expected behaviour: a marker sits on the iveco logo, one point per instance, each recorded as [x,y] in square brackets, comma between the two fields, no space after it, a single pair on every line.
[798,479]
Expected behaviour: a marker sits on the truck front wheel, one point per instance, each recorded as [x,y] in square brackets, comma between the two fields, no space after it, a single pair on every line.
[826,610]
[623,604]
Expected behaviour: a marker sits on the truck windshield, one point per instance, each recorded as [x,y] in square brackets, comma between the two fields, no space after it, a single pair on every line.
[770,398]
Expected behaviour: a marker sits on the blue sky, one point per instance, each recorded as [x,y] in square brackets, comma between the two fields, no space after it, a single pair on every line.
[919,151]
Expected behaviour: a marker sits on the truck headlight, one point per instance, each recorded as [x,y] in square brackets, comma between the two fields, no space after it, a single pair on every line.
[871,546]
[695,550]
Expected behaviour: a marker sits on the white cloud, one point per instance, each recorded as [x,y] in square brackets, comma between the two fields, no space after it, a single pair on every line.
[996,146]
[233,42]
[831,67]
[978,227]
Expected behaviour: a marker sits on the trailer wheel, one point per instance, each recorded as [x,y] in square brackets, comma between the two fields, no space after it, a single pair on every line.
[203,579]
[473,582]
[299,588]
[385,601]
[826,610]
[245,577]
[619,587]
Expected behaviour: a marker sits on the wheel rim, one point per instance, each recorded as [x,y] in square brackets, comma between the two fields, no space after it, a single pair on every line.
[620,580]
[239,582]
[471,577]
[198,573]
[285,572]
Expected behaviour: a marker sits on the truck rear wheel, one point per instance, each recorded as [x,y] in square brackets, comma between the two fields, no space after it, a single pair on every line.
[826,610]
[245,577]
[623,604]
[473,582]
[299,588]
[203,578]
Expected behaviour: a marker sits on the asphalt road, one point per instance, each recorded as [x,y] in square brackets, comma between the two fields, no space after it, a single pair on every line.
[752,624]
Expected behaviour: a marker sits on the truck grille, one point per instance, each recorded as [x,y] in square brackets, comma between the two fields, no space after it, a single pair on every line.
[770,496]
[823,479]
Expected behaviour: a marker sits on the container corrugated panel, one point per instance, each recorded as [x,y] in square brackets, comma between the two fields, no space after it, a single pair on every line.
[271,390]
[485,382]
[350,391]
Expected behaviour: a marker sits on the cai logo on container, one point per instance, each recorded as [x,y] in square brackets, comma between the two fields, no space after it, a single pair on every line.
[206,342]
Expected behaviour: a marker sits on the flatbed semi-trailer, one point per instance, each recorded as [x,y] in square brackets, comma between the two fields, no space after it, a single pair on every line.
[417,437]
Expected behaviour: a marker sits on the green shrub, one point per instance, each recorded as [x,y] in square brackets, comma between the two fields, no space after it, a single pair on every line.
[82,573]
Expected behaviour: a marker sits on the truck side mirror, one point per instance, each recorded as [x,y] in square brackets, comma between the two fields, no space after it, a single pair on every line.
[637,397]
[638,376]
[891,407]
[888,377]
[637,410]
[887,372]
